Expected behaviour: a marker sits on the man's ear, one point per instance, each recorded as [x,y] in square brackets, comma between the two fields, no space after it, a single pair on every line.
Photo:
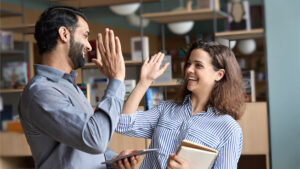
[63,34]
[220,74]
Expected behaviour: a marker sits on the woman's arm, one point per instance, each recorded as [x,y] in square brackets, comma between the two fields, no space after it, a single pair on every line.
[150,71]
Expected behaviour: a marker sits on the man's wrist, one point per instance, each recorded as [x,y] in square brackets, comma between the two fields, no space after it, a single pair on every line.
[121,78]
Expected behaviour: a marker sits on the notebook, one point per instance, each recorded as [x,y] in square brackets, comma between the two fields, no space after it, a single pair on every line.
[198,156]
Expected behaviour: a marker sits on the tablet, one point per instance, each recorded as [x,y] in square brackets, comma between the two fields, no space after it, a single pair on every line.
[145,151]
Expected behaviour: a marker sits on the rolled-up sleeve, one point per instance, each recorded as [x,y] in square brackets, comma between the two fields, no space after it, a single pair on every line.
[53,113]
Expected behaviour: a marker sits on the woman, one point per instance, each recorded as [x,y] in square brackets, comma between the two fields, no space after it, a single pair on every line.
[212,99]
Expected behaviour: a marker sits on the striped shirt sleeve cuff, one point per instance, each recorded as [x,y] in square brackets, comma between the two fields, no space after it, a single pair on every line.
[126,119]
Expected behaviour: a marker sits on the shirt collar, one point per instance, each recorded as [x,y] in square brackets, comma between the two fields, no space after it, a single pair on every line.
[54,74]
[188,101]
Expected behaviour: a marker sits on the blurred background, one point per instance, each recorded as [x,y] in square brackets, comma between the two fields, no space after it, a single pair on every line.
[263,34]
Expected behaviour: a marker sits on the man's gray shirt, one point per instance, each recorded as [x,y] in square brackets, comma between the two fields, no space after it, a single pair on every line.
[61,127]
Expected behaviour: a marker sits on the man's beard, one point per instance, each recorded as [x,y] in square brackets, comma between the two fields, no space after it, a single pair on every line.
[75,53]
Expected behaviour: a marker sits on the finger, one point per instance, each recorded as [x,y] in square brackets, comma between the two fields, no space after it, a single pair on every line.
[107,41]
[161,58]
[173,164]
[146,60]
[102,50]
[97,62]
[115,165]
[99,65]
[126,163]
[118,46]
[157,57]
[133,162]
[120,164]
[178,159]
[153,58]
[100,45]
[112,42]
[137,157]
[163,69]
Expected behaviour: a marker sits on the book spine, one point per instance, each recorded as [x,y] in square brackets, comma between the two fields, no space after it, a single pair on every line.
[148,96]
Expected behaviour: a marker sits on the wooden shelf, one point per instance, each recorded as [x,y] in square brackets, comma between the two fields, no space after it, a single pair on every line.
[21,28]
[243,34]
[96,3]
[11,52]
[9,13]
[173,83]
[13,144]
[177,16]
[11,90]
[127,63]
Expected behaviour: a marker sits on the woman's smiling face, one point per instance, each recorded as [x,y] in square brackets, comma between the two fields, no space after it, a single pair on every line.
[199,73]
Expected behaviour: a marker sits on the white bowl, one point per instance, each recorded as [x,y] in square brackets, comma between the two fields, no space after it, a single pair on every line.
[181,28]
[247,46]
[125,9]
[225,42]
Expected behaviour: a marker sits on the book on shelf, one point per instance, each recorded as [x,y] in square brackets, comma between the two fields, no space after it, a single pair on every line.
[15,75]
[6,114]
[198,156]
[257,16]
[153,96]
[249,82]
[86,90]
[6,40]
[129,86]
[166,77]
[12,126]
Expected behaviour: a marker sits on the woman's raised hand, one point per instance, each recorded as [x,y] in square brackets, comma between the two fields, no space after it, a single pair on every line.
[151,68]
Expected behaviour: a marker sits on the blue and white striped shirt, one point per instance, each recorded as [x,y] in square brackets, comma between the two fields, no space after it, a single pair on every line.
[168,124]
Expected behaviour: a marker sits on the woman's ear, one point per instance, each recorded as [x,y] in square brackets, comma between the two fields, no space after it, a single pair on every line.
[220,74]
[64,34]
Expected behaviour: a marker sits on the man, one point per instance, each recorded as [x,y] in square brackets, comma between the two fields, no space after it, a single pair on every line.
[61,127]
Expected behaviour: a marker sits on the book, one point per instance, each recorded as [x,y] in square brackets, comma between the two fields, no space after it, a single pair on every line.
[257,16]
[86,90]
[129,86]
[142,152]
[15,75]
[198,156]
[6,114]
[12,126]
[6,40]
[249,83]
[153,96]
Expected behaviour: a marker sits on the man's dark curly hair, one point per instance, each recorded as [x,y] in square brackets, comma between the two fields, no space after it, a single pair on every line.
[46,28]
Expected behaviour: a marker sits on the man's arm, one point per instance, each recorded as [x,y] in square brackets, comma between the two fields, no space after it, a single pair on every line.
[55,115]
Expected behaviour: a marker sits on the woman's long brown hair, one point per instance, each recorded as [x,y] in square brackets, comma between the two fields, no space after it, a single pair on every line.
[228,95]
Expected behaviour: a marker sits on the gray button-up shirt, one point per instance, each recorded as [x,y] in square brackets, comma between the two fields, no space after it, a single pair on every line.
[61,127]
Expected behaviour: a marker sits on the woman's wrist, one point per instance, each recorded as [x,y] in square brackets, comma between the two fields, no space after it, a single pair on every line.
[145,83]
